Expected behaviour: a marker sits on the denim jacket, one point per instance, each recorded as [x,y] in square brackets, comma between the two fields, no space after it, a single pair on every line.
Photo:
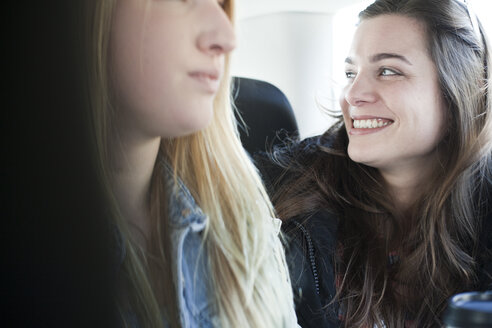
[191,268]
[193,286]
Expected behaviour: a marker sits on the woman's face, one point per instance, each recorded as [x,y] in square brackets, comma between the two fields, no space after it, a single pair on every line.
[166,64]
[392,105]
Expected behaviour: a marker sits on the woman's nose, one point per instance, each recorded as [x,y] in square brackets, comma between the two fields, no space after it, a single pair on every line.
[218,36]
[360,91]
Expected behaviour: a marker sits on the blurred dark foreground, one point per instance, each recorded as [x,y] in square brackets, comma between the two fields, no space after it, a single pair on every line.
[55,250]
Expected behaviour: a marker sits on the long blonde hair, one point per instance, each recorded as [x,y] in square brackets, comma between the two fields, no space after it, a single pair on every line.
[248,271]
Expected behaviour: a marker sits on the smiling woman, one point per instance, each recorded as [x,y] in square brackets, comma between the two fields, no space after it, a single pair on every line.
[389,212]
[393,109]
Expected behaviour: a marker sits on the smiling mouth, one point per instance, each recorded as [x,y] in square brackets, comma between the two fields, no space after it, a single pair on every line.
[371,123]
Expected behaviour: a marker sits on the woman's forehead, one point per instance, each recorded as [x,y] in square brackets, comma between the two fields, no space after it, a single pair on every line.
[389,34]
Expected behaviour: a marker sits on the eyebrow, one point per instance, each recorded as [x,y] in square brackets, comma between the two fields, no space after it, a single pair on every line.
[381,56]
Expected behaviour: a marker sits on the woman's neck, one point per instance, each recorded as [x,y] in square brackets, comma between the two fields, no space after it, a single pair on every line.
[405,186]
[132,166]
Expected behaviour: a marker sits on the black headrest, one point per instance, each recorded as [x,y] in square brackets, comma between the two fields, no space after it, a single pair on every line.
[266,111]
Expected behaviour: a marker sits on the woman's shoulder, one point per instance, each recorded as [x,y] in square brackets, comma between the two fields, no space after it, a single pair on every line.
[321,226]
[313,239]
[287,161]
[310,244]
[316,236]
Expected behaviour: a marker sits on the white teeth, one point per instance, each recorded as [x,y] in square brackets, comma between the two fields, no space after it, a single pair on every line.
[369,124]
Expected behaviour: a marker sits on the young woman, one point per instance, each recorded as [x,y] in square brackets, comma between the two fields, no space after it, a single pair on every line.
[389,212]
[196,241]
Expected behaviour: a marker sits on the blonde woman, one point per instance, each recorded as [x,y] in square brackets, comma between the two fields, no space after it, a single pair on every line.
[195,231]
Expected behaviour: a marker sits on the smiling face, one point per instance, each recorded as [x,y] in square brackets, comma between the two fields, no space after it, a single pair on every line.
[392,105]
[166,64]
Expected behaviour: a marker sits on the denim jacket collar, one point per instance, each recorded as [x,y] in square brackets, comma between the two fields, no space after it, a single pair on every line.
[190,266]
[183,211]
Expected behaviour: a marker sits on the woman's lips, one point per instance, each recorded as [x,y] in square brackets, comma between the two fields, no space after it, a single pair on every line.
[369,125]
[209,81]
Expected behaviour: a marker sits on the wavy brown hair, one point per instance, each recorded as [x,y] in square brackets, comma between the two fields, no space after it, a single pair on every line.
[438,240]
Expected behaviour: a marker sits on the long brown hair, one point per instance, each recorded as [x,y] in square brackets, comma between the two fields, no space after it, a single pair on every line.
[437,242]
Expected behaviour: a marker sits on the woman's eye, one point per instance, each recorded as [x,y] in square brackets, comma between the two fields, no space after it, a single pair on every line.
[349,75]
[388,72]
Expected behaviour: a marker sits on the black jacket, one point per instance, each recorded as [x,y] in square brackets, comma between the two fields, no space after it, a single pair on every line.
[310,244]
